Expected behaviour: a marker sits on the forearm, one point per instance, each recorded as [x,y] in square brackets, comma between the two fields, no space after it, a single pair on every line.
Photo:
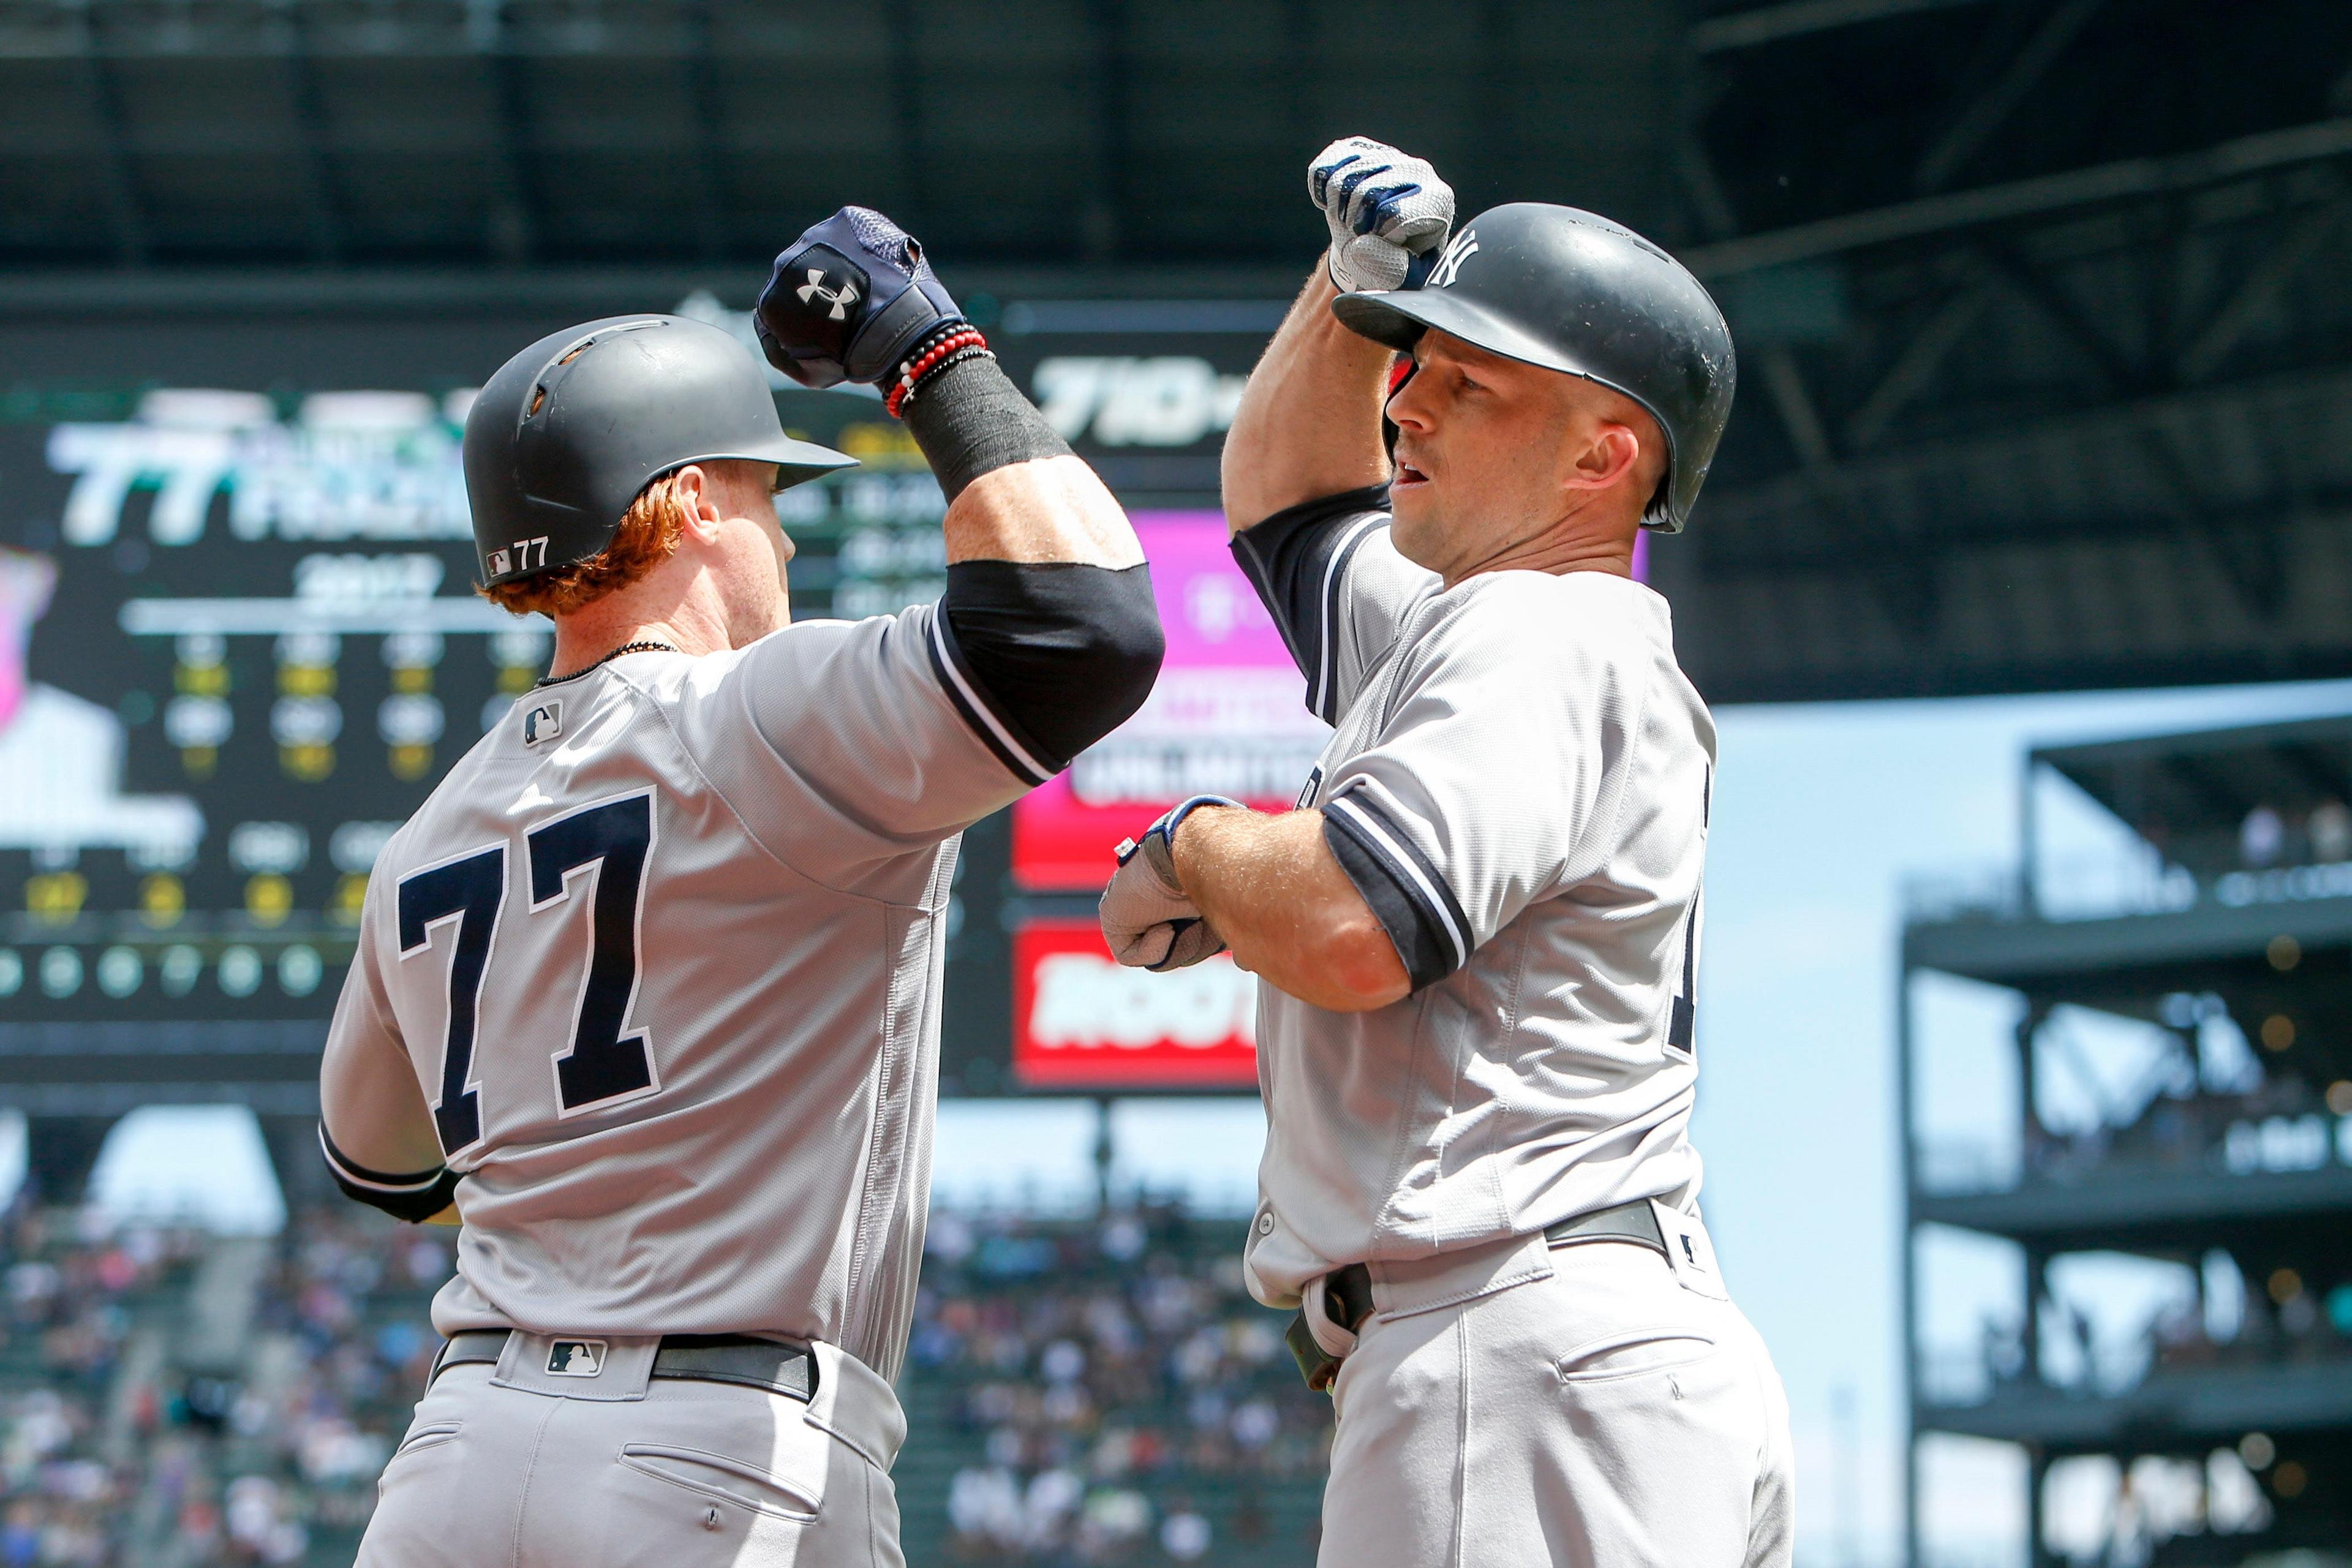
[1016,491]
[1048,603]
[376,1134]
[1309,420]
[1273,891]
[1050,508]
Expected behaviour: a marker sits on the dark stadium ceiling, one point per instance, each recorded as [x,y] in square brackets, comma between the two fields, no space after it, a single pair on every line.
[2043,305]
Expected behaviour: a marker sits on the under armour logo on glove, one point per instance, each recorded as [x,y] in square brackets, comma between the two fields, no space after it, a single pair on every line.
[840,298]
[848,300]
[813,307]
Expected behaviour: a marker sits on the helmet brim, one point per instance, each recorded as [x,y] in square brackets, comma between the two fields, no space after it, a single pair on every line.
[1398,317]
[797,461]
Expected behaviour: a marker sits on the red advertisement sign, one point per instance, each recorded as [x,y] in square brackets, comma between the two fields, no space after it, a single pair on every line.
[1082,1020]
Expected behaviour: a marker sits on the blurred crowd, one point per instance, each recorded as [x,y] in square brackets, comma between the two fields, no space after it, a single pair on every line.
[1085,1392]
[2281,1319]
[2283,1123]
[1115,1393]
[177,1400]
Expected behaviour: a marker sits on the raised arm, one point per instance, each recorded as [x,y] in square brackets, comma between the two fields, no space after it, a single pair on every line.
[1048,635]
[1309,420]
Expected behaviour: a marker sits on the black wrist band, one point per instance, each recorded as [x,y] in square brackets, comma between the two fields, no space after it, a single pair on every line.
[971,420]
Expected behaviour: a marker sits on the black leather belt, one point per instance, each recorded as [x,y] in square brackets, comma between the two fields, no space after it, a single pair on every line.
[788,1369]
[1348,1290]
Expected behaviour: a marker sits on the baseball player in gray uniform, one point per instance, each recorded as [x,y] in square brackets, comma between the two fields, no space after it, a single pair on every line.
[1478,933]
[649,987]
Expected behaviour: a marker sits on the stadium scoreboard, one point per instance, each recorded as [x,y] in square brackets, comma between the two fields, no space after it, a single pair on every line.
[239,641]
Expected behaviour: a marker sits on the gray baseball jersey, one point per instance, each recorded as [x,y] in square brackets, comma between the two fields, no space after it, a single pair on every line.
[1518,783]
[663,952]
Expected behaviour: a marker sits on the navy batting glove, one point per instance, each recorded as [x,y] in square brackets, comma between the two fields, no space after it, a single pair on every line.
[848,299]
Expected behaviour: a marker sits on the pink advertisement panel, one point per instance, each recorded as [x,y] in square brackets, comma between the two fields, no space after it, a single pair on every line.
[1227,716]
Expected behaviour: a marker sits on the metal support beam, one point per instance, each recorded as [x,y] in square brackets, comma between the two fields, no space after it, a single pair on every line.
[117,185]
[1102,227]
[316,136]
[1771,24]
[2049,194]
[1919,362]
[2035,289]
[1738,550]
[1729,510]
[903,28]
[2250,561]
[1906,587]
[1908,1162]
[1977,124]
[2228,325]
[710,133]
[1785,384]
[513,221]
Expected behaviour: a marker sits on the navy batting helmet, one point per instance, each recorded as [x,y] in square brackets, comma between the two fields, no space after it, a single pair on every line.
[1574,292]
[569,433]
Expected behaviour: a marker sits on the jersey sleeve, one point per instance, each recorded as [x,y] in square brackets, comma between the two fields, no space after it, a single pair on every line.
[1501,754]
[375,1131]
[868,740]
[1336,586]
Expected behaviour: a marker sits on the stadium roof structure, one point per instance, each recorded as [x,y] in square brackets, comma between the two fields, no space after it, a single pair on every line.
[2192,791]
[2042,304]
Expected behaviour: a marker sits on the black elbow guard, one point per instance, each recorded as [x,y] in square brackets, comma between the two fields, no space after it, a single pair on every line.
[1065,652]
[414,1198]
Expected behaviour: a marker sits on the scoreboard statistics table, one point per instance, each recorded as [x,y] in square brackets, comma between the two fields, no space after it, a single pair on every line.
[239,642]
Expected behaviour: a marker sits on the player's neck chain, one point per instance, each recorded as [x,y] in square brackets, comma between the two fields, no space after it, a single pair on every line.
[625,647]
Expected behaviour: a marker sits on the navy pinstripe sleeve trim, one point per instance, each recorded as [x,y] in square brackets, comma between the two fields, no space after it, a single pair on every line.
[1297,561]
[1404,887]
[993,728]
[414,1197]
[1323,681]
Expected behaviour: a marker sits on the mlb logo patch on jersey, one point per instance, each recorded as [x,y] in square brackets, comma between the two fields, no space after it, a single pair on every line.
[575,1358]
[543,721]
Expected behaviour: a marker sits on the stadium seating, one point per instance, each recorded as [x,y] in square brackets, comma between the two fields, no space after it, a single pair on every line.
[1081,1392]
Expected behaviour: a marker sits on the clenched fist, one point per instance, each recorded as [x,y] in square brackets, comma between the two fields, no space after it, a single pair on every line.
[1384,207]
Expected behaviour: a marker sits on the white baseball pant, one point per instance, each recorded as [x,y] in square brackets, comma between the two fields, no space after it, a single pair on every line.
[505,1466]
[1584,1406]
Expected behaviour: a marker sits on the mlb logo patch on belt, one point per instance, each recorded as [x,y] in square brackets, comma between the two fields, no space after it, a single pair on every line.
[575,1358]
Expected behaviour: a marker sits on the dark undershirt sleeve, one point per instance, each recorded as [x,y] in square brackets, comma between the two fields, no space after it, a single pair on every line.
[1296,559]
[414,1197]
[1407,893]
[1045,658]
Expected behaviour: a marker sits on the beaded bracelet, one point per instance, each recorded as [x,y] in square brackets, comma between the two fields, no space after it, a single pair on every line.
[932,356]
[955,345]
[970,350]
[938,332]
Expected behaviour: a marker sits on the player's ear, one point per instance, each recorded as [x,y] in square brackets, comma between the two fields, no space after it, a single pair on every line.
[698,499]
[1607,453]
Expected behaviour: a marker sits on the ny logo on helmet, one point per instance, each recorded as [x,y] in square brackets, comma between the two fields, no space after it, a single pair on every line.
[840,298]
[1458,249]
